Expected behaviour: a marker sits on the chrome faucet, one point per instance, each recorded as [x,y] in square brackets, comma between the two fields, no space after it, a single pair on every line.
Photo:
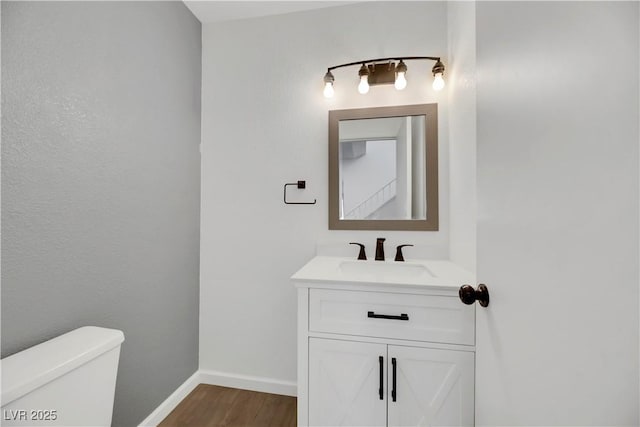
[380,249]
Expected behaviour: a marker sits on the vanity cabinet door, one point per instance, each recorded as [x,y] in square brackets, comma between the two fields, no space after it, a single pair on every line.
[433,387]
[347,383]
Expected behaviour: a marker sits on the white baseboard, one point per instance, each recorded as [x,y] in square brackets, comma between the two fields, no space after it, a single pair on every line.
[246,382]
[169,404]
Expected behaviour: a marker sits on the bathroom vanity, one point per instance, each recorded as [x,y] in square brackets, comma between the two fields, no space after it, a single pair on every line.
[384,343]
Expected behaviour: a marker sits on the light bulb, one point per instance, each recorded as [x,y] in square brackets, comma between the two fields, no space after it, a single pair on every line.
[401,81]
[438,81]
[401,75]
[328,84]
[328,90]
[363,87]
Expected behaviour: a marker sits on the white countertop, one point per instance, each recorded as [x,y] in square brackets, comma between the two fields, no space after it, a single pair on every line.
[435,274]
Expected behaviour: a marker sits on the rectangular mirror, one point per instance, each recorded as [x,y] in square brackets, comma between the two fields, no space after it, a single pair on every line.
[383,168]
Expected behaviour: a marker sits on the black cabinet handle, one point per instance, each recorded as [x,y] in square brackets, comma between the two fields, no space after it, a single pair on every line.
[393,389]
[373,315]
[381,361]
[468,295]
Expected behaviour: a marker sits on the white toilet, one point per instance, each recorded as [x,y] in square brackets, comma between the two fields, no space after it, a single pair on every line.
[67,381]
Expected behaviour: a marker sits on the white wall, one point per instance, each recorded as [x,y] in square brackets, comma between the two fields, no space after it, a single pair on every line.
[461,87]
[264,124]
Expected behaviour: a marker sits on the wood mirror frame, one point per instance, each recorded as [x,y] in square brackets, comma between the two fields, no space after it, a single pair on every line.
[430,111]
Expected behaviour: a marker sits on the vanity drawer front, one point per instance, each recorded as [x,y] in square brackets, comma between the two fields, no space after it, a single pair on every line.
[442,319]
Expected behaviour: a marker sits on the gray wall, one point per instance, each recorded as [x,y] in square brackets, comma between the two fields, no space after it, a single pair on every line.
[101,184]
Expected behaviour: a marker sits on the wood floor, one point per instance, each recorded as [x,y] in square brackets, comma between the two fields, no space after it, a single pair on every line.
[214,406]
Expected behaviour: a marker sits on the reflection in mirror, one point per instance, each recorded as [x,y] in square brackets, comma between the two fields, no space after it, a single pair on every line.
[383,168]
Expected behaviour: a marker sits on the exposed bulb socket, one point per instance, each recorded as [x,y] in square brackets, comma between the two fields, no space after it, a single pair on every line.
[401,67]
[364,71]
[328,78]
[438,68]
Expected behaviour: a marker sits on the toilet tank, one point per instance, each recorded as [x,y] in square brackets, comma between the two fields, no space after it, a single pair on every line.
[67,381]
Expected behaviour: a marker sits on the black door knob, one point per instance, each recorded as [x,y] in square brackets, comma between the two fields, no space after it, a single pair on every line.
[468,295]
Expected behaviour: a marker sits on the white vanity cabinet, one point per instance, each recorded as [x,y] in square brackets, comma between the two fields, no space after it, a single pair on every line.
[384,352]
[351,384]
[344,383]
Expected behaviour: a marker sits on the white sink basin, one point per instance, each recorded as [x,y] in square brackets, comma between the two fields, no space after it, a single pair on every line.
[436,274]
[385,269]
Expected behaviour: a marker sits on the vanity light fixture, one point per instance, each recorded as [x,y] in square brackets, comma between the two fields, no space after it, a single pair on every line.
[376,72]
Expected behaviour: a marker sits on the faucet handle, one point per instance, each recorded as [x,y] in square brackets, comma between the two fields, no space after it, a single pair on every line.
[361,255]
[399,256]
[380,248]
